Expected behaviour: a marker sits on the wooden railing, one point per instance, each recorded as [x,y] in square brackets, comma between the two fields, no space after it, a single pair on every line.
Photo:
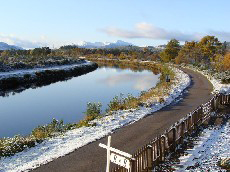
[155,151]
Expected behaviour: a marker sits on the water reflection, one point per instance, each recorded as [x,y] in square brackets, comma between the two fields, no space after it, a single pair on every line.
[139,81]
[67,100]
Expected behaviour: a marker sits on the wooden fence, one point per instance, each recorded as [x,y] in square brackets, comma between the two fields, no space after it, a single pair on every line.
[155,151]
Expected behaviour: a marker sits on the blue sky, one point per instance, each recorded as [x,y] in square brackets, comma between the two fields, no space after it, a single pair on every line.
[31,23]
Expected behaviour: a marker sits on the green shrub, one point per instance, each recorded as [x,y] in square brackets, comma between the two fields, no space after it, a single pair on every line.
[121,102]
[10,146]
[42,132]
[93,111]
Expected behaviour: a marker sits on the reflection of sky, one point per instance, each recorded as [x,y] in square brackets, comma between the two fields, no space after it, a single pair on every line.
[139,81]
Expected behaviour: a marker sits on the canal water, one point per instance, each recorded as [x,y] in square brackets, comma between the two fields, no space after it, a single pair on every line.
[67,100]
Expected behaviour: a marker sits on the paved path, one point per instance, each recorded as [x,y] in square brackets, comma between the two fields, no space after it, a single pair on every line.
[92,158]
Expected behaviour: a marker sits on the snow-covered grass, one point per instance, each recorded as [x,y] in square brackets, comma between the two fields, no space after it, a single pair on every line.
[63,144]
[212,146]
[218,87]
[32,72]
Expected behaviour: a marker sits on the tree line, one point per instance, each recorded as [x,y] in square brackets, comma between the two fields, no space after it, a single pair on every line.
[209,51]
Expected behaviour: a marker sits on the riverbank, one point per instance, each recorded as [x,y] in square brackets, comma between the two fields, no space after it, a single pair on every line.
[19,80]
[71,140]
[27,62]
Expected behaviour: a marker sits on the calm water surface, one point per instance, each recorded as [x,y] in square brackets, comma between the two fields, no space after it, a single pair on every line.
[67,100]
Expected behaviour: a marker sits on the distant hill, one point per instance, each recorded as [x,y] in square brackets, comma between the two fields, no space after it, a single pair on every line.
[116,44]
[5,46]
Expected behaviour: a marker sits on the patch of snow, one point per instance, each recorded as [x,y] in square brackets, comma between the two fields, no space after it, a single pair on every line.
[211,147]
[217,85]
[61,145]
[22,72]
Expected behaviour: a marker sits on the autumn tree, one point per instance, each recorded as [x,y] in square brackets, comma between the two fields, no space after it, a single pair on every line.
[44,51]
[218,62]
[171,50]
[5,53]
[110,56]
[226,62]
[190,53]
[210,46]
[122,56]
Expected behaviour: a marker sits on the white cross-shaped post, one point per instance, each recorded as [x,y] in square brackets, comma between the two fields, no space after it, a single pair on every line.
[108,154]
[118,157]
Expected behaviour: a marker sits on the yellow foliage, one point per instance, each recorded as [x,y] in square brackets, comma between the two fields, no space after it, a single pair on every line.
[226,62]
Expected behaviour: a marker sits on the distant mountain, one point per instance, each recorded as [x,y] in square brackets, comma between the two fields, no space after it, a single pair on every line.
[162,47]
[5,46]
[118,43]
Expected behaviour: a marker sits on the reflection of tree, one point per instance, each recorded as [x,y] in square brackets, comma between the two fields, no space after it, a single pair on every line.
[134,66]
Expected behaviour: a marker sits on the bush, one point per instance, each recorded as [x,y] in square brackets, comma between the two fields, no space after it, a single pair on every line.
[42,132]
[10,146]
[93,111]
[121,102]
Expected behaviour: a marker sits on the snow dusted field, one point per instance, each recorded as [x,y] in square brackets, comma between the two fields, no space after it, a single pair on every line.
[209,149]
[74,139]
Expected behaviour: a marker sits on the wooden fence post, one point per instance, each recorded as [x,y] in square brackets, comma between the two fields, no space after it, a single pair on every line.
[157,151]
[174,139]
[215,103]
[194,120]
[220,97]
[182,132]
[160,149]
[150,158]
[189,124]
[164,147]
[133,167]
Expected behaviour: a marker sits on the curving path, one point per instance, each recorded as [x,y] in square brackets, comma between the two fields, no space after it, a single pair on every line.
[92,158]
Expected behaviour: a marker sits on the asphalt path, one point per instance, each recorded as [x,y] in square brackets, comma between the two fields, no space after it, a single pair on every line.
[92,158]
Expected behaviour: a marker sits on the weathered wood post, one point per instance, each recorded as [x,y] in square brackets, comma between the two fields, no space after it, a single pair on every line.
[200,115]
[160,149]
[182,132]
[164,147]
[174,139]
[150,158]
[133,166]
[154,153]
[195,115]
[189,124]
[220,97]
[213,106]
[157,151]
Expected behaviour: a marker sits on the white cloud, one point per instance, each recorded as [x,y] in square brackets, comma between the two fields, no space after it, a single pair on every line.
[146,30]
[13,40]
[221,35]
